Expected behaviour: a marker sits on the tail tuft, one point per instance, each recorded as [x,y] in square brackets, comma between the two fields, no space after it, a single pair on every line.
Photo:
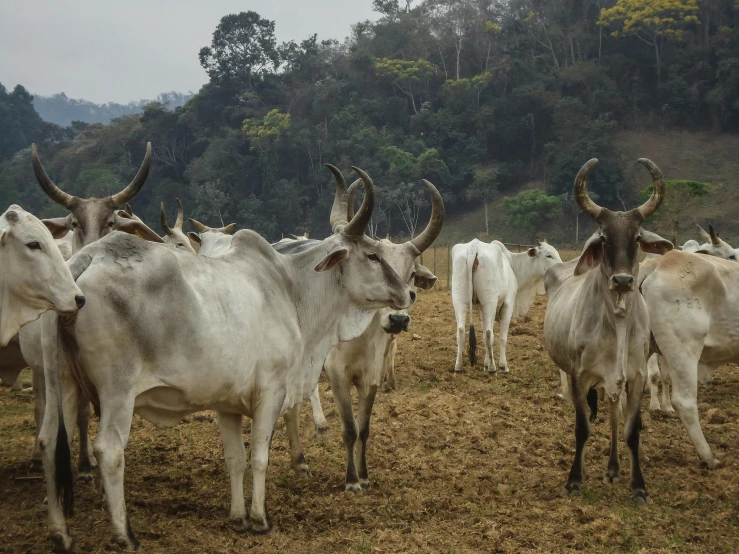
[473,346]
[63,471]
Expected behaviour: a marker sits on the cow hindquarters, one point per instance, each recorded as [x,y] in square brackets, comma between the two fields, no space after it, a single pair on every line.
[115,426]
[235,454]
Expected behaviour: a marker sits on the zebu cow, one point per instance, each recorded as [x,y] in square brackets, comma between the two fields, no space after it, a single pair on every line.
[502,284]
[362,362]
[693,304]
[212,241]
[596,328]
[33,275]
[174,235]
[230,353]
[89,220]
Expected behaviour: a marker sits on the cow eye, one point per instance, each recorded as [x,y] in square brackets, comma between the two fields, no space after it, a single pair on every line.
[110,223]
[75,224]
[34,245]
[413,275]
[180,244]
[732,257]
[374,257]
[550,256]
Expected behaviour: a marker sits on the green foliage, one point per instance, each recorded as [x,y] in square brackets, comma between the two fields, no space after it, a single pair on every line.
[264,131]
[531,210]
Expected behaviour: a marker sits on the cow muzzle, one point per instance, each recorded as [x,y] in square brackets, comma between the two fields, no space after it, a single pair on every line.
[396,323]
[622,282]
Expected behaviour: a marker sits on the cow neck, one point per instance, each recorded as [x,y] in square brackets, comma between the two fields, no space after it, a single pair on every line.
[14,313]
[325,311]
[528,283]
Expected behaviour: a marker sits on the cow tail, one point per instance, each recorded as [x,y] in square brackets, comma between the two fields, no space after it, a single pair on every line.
[64,480]
[471,257]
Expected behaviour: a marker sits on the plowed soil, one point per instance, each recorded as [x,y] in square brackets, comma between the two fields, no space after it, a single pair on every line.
[458,463]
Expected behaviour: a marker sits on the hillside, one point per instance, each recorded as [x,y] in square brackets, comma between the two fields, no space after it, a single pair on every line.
[700,156]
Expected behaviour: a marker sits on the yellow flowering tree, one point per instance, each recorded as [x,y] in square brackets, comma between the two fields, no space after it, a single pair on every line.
[651,21]
[404,74]
[263,132]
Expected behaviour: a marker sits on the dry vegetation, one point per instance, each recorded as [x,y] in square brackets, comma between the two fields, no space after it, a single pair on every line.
[465,463]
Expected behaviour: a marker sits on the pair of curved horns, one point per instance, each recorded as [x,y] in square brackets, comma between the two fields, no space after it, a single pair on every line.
[434,226]
[594,210]
[69,201]
[200,228]
[356,225]
[711,235]
[177,224]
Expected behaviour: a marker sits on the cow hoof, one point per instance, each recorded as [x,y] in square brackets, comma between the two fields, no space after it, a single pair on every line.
[303,471]
[504,370]
[352,487]
[389,388]
[85,477]
[458,370]
[260,526]
[571,489]
[641,498]
[321,432]
[240,524]
[37,465]
[62,544]
[364,483]
[711,464]
[611,477]
[44,506]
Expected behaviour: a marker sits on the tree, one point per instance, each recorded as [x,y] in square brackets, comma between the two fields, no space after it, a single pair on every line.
[680,195]
[410,200]
[484,186]
[651,21]
[243,48]
[531,210]
[404,74]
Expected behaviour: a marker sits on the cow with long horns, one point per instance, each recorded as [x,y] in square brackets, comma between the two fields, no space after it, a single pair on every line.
[596,327]
[174,235]
[253,329]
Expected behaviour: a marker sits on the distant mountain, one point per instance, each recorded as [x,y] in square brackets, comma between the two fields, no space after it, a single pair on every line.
[62,110]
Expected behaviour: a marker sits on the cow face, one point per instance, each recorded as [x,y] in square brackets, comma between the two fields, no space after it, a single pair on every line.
[715,245]
[174,235]
[614,246]
[35,276]
[543,256]
[93,218]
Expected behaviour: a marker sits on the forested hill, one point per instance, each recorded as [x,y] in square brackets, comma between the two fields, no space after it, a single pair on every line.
[483,98]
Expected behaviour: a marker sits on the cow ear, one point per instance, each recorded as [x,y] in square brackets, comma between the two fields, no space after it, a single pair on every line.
[591,255]
[332,259]
[133,227]
[194,238]
[424,278]
[57,226]
[229,229]
[531,252]
[652,243]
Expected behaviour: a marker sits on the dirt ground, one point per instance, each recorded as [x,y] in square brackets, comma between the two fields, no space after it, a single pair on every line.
[458,463]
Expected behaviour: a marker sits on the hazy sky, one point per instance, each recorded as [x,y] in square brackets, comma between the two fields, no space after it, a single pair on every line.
[122,50]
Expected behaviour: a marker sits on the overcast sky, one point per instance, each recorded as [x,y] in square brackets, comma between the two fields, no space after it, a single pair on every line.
[123,50]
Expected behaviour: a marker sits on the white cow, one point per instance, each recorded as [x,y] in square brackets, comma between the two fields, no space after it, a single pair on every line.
[211,241]
[33,275]
[174,235]
[230,352]
[502,284]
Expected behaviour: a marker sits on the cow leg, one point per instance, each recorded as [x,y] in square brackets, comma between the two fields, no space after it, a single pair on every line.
[614,411]
[632,430]
[87,459]
[460,317]
[653,375]
[262,428]
[39,404]
[487,319]
[234,453]
[340,386]
[666,387]
[389,362]
[505,322]
[319,420]
[683,372]
[364,411]
[297,457]
[115,426]
[573,487]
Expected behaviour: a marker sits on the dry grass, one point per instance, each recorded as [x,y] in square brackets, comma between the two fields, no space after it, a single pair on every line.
[466,463]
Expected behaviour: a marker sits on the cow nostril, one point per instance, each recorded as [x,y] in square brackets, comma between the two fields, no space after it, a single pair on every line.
[413,296]
[79,300]
[623,280]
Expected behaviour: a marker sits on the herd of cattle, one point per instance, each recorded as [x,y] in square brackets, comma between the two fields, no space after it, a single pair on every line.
[107,312]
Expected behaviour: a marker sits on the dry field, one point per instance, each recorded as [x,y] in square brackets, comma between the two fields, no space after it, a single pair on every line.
[465,463]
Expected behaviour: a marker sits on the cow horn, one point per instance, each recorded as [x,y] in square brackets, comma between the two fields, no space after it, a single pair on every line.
[715,240]
[180,215]
[129,209]
[581,190]
[51,190]
[658,193]
[358,224]
[199,227]
[228,229]
[163,220]
[138,181]
[350,196]
[338,210]
[432,230]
